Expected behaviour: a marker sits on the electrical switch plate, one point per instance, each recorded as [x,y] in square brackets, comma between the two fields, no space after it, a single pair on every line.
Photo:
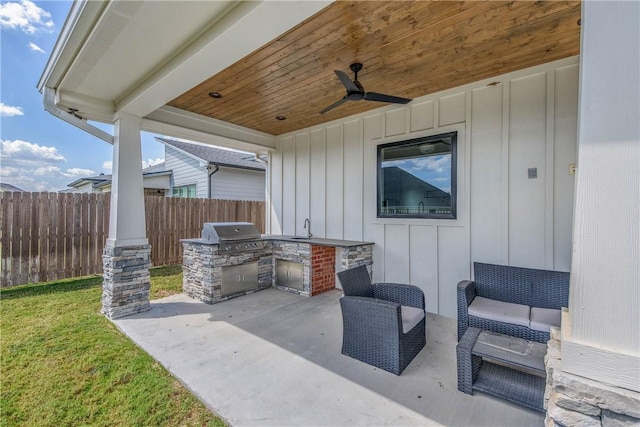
[572,168]
[533,173]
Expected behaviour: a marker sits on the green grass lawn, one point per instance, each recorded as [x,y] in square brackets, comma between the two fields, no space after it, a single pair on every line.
[65,364]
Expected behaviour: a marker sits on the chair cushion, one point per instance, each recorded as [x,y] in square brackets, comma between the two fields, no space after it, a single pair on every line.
[500,311]
[542,319]
[411,316]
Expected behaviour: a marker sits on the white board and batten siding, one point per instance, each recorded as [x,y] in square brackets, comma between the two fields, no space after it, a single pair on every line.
[506,126]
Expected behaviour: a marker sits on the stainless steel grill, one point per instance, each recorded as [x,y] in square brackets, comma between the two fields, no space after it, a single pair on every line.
[233,237]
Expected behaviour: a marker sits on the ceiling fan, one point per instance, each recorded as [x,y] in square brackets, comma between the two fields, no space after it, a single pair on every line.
[355,91]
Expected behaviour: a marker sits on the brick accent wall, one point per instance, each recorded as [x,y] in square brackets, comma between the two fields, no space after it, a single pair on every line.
[323,277]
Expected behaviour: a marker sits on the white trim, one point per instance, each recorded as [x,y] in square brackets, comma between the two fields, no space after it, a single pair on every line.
[195,127]
[462,202]
[598,363]
[80,19]
[226,40]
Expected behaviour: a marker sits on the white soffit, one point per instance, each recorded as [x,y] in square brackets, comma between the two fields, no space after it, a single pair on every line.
[142,54]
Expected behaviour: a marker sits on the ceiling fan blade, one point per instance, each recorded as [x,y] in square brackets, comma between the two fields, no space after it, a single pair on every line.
[380,97]
[334,105]
[346,81]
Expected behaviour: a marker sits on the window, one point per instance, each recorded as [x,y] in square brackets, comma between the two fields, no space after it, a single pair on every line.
[417,178]
[185,191]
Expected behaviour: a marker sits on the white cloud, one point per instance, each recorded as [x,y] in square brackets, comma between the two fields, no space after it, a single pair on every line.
[34,167]
[47,171]
[79,172]
[35,47]
[25,16]
[108,164]
[54,171]
[151,162]
[23,152]
[433,163]
[9,172]
[8,110]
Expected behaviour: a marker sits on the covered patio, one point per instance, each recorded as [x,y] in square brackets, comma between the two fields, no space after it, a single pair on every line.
[543,99]
[273,358]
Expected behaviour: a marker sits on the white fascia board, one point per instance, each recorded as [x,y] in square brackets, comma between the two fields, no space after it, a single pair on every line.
[247,27]
[195,127]
[78,23]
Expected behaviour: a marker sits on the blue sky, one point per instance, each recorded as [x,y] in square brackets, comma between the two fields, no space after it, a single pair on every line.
[436,170]
[38,151]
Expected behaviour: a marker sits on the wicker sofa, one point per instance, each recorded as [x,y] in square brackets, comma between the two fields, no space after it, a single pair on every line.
[384,324]
[521,302]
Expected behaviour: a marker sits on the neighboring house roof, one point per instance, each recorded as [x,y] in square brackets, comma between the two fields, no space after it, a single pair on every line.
[8,187]
[217,156]
[103,180]
[397,180]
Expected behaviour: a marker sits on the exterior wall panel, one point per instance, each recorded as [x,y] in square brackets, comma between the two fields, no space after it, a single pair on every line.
[503,217]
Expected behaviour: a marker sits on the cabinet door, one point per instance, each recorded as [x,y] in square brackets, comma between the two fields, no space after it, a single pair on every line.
[289,274]
[239,278]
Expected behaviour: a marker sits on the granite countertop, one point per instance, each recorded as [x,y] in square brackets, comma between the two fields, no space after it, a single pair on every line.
[315,240]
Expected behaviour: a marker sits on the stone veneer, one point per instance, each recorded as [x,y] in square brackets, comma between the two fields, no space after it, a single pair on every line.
[571,400]
[202,270]
[353,256]
[296,252]
[126,280]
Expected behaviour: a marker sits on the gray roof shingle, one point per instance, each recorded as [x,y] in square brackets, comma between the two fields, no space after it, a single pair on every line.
[216,156]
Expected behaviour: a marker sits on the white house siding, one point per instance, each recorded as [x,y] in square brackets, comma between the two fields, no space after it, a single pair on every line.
[186,170]
[84,188]
[238,184]
[505,125]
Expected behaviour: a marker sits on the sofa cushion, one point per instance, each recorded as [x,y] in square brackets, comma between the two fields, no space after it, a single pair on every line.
[411,316]
[543,318]
[500,311]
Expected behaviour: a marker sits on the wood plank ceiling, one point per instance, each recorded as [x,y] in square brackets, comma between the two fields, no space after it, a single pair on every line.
[408,49]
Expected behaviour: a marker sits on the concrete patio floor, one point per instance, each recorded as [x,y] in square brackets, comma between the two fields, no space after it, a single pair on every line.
[273,358]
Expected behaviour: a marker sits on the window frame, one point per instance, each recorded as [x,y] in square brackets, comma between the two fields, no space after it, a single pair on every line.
[453,215]
[195,186]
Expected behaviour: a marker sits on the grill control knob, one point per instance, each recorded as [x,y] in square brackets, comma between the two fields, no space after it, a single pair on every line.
[228,247]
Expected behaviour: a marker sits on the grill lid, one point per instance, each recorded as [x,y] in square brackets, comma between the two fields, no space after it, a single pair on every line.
[216,232]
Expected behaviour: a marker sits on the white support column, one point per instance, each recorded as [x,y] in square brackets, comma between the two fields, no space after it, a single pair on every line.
[601,330]
[126,257]
[127,221]
[593,361]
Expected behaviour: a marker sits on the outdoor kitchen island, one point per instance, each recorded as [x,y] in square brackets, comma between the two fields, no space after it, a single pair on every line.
[313,261]
[231,260]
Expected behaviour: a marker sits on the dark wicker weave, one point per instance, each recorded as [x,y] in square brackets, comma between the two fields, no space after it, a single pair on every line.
[535,288]
[500,380]
[372,323]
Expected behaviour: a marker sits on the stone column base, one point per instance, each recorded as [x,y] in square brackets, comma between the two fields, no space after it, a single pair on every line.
[126,283]
[571,400]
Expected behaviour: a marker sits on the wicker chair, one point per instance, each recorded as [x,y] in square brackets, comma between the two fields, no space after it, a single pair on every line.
[373,316]
[535,289]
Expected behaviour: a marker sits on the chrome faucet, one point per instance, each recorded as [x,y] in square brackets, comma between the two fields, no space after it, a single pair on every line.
[307,226]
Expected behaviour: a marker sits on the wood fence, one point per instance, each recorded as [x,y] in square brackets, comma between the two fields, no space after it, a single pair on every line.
[52,236]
